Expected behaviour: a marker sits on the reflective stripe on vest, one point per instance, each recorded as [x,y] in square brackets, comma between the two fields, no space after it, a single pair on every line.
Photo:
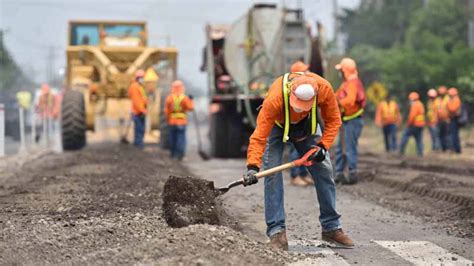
[286,100]
[354,115]
[177,110]
[419,118]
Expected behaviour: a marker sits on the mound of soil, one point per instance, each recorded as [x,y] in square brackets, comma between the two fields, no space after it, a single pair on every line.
[103,205]
[189,200]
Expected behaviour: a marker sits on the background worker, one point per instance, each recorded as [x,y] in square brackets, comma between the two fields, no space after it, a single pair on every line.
[388,117]
[415,124]
[177,104]
[137,94]
[443,118]
[432,119]
[299,175]
[288,114]
[454,109]
[351,99]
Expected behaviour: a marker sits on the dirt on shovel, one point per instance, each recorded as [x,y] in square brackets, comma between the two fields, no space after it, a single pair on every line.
[189,200]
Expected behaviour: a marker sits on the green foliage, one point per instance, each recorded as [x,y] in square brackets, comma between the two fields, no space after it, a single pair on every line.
[433,52]
[378,24]
[10,74]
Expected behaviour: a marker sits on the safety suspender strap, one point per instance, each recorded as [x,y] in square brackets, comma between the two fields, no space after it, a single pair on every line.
[286,99]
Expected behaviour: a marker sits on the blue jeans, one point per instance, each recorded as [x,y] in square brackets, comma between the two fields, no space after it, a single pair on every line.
[322,175]
[296,171]
[435,142]
[454,133]
[444,135]
[351,130]
[177,141]
[416,132]
[139,130]
[390,137]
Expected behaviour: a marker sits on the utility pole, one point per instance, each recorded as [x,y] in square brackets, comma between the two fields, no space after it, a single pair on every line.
[470,26]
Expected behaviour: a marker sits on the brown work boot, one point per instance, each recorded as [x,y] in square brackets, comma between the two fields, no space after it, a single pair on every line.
[279,241]
[339,238]
[298,181]
[309,180]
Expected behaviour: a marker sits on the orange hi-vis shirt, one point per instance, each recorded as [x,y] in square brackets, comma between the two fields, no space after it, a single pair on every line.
[443,113]
[273,110]
[454,106]
[137,94]
[176,106]
[416,117]
[387,113]
[347,96]
[432,113]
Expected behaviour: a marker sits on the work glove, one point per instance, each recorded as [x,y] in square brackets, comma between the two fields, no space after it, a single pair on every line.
[319,155]
[249,177]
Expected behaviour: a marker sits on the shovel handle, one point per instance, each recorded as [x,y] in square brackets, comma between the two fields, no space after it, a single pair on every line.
[275,170]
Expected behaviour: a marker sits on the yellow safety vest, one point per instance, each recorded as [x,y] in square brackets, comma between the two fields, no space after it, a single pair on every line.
[420,118]
[286,99]
[388,109]
[430,113]
[177,110]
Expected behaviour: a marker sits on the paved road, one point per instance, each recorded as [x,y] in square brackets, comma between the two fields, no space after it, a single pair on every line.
[383,236]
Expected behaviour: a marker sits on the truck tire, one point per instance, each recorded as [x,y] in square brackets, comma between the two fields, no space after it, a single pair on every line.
[226,135]
[73,124]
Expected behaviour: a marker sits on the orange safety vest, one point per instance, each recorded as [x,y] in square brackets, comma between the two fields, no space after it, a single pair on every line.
[177,112]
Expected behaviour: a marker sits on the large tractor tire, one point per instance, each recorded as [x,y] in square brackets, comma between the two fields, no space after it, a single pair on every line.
[226,135]
[73,122]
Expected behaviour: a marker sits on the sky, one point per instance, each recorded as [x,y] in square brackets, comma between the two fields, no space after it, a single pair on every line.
[37,29]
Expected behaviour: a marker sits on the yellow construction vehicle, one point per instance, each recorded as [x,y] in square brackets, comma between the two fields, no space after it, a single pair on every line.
[102,58]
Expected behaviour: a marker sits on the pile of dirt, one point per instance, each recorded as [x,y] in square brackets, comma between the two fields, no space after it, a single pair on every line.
[104,205]
[189,200]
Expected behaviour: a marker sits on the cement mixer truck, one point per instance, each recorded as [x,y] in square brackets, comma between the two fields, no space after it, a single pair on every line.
[241,61]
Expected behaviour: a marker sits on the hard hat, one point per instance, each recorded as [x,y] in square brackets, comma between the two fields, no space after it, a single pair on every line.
[453,92]
[44,88]
[177,87]
[347,64]
[442,90]
[302,93]
[413,96]
[432,93]
[299,66]
[139,73]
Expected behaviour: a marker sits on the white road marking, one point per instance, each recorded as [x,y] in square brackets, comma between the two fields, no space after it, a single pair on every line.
[423,253]
[323,254]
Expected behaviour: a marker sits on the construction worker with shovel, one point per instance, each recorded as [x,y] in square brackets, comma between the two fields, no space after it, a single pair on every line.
[288,114]
[177,104]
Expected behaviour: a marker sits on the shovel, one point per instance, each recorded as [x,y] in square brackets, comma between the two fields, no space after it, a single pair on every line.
[296,163]
[201,152]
